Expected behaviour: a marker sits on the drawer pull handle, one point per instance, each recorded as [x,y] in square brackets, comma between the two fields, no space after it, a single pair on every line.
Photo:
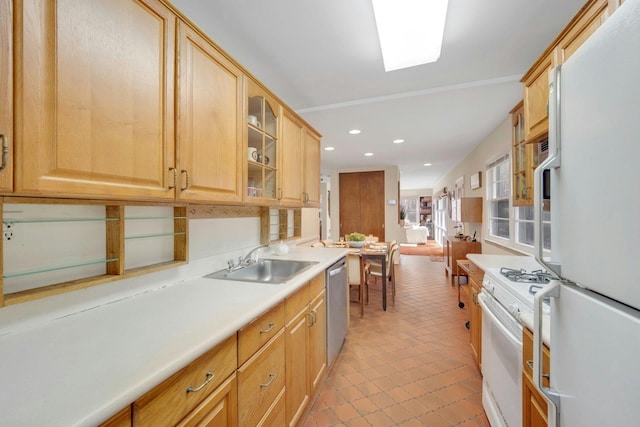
[210,377]
[272,378]
[269,329]
[530,365]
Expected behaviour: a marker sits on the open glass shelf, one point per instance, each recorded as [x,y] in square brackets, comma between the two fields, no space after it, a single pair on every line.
[56,268]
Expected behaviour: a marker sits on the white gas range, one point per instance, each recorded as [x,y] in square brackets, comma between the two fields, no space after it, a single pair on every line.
[506,294]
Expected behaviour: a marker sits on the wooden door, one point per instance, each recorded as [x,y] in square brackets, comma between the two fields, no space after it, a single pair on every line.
[362,203]
[95,84]
[312,168]
[209,138]
[6,95]
[292,161]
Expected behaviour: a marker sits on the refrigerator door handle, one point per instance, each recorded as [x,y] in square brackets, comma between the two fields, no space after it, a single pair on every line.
[552,290]
[551,162]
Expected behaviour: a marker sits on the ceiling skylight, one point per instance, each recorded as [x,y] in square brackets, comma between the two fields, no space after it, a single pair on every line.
[410,31]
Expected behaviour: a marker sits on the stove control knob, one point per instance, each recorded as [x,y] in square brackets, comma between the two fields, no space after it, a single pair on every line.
[514,309]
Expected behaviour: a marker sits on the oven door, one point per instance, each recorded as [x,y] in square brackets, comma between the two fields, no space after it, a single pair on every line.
[501,364]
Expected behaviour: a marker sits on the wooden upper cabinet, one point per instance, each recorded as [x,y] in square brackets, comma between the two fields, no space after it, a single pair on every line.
[536,98]
[6,95]
[94,86]
[210,124]
[292,163]
[521,160]
[585,23]
[311,168]
[263,145]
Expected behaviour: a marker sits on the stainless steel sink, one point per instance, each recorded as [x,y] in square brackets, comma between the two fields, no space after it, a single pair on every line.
[264,271]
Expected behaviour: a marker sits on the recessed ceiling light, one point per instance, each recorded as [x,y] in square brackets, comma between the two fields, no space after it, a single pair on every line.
[329,148]
[368,154]
[354,131]
[427,164]
[410,32]
[398,141]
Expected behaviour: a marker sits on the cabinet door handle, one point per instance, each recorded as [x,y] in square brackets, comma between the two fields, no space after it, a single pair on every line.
[5,151]
[272,378]
[309,319]
[186,172]
[269,329]
[175,178]
[210,377]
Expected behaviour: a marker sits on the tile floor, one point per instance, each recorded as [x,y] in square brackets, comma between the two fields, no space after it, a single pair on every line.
[409,366]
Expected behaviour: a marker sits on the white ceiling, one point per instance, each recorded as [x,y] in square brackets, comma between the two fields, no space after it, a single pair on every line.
[323,59]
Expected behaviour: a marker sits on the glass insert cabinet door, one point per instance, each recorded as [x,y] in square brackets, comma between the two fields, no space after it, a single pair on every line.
[262,144]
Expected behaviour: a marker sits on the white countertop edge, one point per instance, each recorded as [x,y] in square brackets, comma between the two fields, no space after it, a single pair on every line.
[93,409]
[527,320]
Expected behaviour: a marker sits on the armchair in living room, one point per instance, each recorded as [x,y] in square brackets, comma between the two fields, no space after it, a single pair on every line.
[417,234]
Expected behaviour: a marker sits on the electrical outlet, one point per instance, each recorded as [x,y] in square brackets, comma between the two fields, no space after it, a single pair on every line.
[7,235]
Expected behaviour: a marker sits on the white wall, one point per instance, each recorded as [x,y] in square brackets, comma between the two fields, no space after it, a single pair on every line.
[493,146]
[393,231]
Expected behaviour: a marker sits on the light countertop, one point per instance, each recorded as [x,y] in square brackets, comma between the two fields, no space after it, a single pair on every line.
[82,368]
[510,261]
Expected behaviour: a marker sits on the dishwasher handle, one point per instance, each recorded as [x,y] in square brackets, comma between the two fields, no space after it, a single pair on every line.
[337,267]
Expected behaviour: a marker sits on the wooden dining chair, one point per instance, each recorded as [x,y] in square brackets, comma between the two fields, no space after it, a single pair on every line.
[357,271]
[376,272]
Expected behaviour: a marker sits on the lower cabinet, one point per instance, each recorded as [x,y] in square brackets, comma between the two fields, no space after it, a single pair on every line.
[306,353]
[187,390]
[534,404]
[265,375]
[475,320]
[260,381]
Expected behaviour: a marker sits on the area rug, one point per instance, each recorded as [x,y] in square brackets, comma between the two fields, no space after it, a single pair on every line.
[428,249]
[434,258]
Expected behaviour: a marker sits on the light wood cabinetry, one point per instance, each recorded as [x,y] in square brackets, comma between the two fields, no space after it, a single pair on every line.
[210,124]
[260,381]
[534,404]
[456,249]
[263,146]
[306,342]
[121,419]
[522,160]
[257,333]
[6,95]
[291,182]
[311,195]
[219,409]
[536,98]
[95,114]
[475,315]
[185,390]
[536,80]
[470,209]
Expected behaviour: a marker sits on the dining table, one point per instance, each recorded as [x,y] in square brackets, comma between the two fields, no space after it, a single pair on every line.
[378,252]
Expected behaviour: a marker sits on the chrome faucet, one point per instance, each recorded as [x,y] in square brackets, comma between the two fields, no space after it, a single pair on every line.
[245,260]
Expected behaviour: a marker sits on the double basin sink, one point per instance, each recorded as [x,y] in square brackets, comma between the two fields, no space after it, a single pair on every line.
[272,271]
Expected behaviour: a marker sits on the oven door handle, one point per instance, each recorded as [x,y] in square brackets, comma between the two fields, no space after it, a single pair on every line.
[486,309]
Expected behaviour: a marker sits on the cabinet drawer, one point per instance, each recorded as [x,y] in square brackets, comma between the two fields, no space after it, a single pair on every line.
[316,285]
[258,332]
[527,356]
[475,273]
[169,402]
[275,415]
[220,408]
[260,380]
[296,303]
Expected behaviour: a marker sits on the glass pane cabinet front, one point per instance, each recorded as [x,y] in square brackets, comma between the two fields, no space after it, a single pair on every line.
[262,147]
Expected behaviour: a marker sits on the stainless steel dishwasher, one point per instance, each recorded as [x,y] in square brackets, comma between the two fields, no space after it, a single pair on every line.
[337,321]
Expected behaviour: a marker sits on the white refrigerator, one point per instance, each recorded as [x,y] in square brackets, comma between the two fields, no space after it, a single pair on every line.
[594,162]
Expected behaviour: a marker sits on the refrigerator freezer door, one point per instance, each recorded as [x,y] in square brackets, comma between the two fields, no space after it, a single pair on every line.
[595,345]
[595,197]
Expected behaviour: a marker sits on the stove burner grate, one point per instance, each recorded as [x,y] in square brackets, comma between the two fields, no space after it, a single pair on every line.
[535,276]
